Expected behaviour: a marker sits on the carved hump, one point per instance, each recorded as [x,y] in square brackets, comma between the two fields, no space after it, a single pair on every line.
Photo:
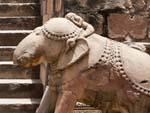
[60,29]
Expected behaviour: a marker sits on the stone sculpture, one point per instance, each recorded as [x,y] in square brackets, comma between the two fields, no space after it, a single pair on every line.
[80,69]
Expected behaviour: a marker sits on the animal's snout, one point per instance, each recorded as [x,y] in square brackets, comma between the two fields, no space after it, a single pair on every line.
[16,61]
[22,60]
[19,61]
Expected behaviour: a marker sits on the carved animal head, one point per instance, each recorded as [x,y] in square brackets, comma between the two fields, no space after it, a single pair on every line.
[56,42]
[29,51]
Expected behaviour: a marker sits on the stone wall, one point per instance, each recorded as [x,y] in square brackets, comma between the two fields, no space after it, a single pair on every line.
[116,19]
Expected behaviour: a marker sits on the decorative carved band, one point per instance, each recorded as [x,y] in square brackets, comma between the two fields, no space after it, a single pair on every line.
[54,36]
[112,56]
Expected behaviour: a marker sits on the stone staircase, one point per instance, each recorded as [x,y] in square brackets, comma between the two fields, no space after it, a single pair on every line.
[20,88]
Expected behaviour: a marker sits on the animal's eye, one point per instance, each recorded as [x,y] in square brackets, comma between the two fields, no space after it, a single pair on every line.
[37,33]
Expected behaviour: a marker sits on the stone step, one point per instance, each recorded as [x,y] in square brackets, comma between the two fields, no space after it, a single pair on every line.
[21,23]
[10,71]
[20,88]
[19,1]
[87,111]
[27,105]
[23,105]
[6,53]
[19,9]
[12,37]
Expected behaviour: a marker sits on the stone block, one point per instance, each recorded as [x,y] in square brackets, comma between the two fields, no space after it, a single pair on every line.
[87,111]
[12,37]
[19,9]
[20,23]
[10,71]
[21,88]
[18,105]
[6,53]
[122,25]
[19,1]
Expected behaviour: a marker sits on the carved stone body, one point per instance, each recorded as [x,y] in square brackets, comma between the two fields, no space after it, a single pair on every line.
[80,71]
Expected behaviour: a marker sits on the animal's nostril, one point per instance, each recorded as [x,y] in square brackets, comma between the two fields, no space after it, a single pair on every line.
[18,61]
[22,60]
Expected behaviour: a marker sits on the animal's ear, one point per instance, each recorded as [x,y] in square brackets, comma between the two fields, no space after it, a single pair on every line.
[80,49]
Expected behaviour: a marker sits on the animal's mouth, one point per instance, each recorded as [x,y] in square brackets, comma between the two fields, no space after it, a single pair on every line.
[28,60]
[24,60]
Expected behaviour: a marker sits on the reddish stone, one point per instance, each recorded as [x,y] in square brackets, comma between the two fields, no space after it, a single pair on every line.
[121,25]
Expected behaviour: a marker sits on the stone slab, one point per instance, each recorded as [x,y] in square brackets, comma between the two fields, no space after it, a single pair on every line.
[20,23]
[24,105]
[19,9]
[12,37]
[20,88]
[29,105]
[6,53]
[10,71]
[123,25]
[19,1]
